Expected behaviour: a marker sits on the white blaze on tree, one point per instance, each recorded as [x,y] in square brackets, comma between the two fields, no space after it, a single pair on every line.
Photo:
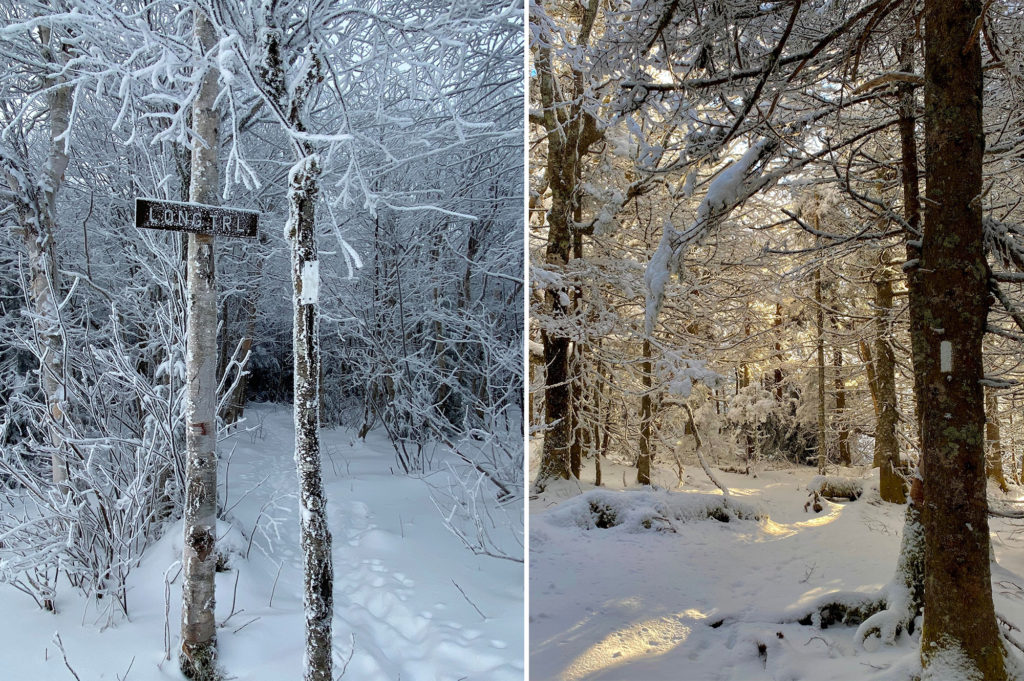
[300,232]
[318,597]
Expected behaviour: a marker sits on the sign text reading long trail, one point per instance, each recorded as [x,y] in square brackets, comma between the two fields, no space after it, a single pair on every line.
[197,218]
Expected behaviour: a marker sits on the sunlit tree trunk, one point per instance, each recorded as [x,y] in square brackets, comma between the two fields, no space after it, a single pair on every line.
[570,132]
[845,457]
[869,368]
[643,463]
[994,461]
[819,328]
[887,452]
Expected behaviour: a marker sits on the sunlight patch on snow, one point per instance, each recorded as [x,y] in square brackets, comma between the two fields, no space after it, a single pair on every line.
[740,491]
[775,530]
[643,639]
[820,519]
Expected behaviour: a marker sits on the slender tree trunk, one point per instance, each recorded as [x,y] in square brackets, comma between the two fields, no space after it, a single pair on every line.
[845,458]
[599,422]
[947,326]
[887,452]
[819,328]
[318,594]
[780,357]
[643,463]
[198,627]
[36,204]
[1014,464]
[994,462]
[869,369]
[576,410]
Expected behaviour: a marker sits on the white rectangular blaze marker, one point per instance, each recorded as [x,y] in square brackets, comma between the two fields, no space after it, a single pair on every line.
[310,282]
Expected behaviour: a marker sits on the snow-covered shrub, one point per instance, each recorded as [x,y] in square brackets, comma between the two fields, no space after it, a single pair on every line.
[836,487]
[121,434]
[643,510]
[481,501]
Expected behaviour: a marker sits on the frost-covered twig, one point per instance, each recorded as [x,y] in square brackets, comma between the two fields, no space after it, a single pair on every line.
[482,616]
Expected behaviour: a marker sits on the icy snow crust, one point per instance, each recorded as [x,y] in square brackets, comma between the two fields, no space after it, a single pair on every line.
[394,566]
[714,601]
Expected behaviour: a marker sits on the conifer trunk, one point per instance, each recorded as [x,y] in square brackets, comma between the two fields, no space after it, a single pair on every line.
[994,460]
[887,451]
[947,326]
[819,328]
[845,457]
[643,463]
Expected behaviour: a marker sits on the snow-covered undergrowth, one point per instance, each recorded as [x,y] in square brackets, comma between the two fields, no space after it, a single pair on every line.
[640,510]
[411,601]
[714,601]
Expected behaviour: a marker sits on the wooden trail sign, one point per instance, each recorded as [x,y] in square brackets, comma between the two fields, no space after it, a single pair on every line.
[204,222]
[197,218]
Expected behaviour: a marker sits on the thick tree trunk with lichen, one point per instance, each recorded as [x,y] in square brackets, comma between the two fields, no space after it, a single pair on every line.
[947,326]
[198,627]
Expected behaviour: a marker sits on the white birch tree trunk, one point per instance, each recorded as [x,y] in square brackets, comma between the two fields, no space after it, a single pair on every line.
[198,627]
[38,216]
[318,597]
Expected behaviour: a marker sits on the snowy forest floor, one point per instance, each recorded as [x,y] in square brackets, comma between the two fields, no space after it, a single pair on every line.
[398,574]
[629,603]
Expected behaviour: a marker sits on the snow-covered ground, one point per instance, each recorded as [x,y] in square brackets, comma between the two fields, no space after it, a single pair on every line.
[704,600]
[399,612]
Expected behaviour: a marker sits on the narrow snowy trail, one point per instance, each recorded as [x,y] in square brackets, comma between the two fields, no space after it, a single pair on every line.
[399,612]
[708,602]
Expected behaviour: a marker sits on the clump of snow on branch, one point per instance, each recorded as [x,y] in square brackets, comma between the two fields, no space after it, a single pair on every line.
[731,187]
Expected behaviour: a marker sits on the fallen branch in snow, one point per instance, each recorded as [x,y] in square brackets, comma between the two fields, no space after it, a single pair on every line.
[167,606]
[468,600]
[60,646]
[843,608]
[502,487]
[1007,635]
[1005,513]
[122,678]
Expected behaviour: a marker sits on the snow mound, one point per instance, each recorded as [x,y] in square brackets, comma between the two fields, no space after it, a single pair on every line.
[644,510]
[836,487]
